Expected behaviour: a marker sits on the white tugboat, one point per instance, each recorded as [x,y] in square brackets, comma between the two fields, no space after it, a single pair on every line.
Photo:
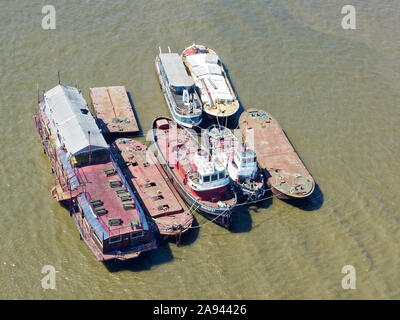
[239,161]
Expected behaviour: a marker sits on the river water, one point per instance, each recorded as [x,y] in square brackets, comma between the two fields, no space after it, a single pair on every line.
[334,91]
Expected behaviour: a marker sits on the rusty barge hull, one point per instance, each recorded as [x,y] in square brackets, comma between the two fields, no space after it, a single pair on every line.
[286,173]
[113,110]
[167,212]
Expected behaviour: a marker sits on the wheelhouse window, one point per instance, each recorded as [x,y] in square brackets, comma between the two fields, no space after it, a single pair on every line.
[214,177]
[222,175]
[114,240]
[206,178]
[137,235]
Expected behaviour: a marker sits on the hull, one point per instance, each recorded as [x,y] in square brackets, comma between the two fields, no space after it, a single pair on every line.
[219,215]
[213,108]
[112,224]
[166,211]
[186,121]
[286,174]
[113,110]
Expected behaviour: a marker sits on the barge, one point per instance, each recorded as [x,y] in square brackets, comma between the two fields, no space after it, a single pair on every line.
[113,110]
[108,215]
[239,161]
[286,173]
[167,212]
[179,90]
[209,75]
[200,180]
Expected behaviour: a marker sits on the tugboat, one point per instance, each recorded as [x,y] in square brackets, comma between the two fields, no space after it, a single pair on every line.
[286,173]
[239,161]
[88,180]
[179,91]
[210,76]
[201,181]
[167,212]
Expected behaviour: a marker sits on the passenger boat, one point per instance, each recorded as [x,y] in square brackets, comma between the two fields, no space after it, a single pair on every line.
[200,180]
[210,76]
[106,211]
[167,212]
[239,161]
[179,90]
[113,110]
[286,173]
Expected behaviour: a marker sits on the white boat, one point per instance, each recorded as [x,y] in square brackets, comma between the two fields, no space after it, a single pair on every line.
[179,90]
[210,76]
[239,161]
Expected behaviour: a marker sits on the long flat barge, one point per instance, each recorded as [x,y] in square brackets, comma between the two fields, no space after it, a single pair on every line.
[167,212]
[113,110]
[286,173]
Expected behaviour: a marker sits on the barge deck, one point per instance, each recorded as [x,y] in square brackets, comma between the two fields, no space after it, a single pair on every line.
[113,110]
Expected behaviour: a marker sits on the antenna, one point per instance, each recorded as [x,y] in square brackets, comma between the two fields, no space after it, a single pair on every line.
[38,94]
[59,79]
[169,49]
[89,147]
[159,48]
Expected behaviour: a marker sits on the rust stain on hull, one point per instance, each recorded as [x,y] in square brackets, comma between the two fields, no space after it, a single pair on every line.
[286,173]
[166,210]
[113,110]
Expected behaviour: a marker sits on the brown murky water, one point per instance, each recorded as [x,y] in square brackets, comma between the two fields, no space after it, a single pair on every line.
[334,91]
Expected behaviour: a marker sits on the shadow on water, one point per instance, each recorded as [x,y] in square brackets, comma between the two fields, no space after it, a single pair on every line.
[135,113]
[241,218]
[191,235]
[311,203]
[145,261]
[158,256]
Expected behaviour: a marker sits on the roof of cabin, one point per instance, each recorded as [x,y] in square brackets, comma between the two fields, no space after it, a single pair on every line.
[175,70]
[69,115]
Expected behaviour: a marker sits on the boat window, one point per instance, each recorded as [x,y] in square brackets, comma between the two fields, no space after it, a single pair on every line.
[137,235]
[206,178]
[222,175]
[185,96]
[214,177]
[114,239]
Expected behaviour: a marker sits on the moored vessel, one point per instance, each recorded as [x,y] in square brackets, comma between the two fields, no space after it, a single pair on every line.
[106,211]
[239,161]
[286,173]
[210,76]
[201,181]
[179,90]
[113,110]
[167,212]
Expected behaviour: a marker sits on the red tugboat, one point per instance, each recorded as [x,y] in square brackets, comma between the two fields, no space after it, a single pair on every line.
[167,212]
[286,173]
[201,181]
[106,211]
